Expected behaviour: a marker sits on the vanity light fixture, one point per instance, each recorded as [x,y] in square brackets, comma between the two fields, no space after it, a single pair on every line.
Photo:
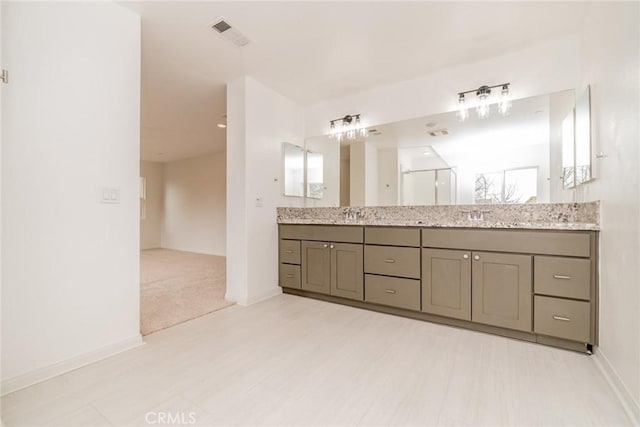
[348,127]
[483,103]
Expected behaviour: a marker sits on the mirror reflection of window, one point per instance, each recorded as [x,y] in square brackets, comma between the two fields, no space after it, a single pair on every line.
[583,138]
[568,145]
[293,170]
[507,186]
[315,181]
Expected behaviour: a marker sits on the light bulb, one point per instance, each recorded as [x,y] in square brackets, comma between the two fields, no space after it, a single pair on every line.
[483,104]
[463,113]
[504,106]
[483,110]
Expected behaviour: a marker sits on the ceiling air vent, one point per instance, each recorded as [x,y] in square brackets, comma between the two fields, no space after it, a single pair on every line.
[374,132]
[227,31]
[221,26]
[439,132]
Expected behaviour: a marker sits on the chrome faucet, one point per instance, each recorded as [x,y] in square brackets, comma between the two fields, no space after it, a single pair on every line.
[475,215]
[350,215]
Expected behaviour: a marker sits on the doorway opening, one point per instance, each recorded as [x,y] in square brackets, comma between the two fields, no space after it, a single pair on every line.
[182,240]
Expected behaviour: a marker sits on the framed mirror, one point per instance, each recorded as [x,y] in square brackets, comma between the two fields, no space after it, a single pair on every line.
[293,170]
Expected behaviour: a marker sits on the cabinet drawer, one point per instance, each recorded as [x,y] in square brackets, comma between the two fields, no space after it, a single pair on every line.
[290,251]
[394,236]
[323,233]
[562,277]
[290,276]
[402,293]
[562,318]
[392,261]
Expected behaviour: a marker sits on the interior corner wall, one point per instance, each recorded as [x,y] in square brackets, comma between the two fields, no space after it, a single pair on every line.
[194,214]
[71,126]
[258,121]
[151,224]
[611,65]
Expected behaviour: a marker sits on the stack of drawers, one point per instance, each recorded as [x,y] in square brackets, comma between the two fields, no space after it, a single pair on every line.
[290,263]
[562,288]
[392,267]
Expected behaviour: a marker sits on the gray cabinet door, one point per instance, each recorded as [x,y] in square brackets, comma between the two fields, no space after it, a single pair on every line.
[347,277]
[316,267]
[446,283]
[501,292]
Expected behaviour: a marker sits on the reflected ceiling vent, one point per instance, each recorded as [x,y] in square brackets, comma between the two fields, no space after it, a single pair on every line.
[439,132]
[374,132]
[223,27]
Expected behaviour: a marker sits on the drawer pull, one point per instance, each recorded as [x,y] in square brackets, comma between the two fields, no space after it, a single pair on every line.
[562,318]
[290,276]
[288,251]
[561,277]
[390,291]
[390,261]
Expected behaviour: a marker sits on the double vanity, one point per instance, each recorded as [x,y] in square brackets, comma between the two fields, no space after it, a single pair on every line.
[534,280]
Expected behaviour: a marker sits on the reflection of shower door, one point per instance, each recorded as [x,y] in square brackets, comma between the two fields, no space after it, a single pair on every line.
[429,187]
[419,188]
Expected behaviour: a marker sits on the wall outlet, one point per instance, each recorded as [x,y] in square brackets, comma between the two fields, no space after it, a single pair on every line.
[110,195]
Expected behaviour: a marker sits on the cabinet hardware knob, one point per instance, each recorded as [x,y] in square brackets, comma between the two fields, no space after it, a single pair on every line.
[290,276]
[562,318]
[390,261]
[561,277]
[288,251]
[325,246]
[332,246]
[476,257]
[390,291]
[465,256]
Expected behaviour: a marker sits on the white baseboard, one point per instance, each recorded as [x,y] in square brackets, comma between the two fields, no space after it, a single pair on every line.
[258,298]
[631,406]
[41,374]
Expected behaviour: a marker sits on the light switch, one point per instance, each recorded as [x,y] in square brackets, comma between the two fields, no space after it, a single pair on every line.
[110,195]
[259,202]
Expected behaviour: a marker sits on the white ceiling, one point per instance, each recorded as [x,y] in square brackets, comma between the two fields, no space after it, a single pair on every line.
[310,51]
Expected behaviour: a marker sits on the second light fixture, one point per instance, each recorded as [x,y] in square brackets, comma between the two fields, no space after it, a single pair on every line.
[484,101]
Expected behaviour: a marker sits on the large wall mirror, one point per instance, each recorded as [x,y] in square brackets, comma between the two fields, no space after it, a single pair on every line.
[438,160]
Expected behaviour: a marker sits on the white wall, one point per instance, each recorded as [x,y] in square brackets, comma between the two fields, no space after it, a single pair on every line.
[151,224]
[70,279]
[258,121]
[195,205]
[357,178]
[544,68]
[388,177]
[610,61]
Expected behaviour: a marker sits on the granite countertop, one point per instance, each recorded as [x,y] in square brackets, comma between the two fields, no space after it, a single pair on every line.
[551,216]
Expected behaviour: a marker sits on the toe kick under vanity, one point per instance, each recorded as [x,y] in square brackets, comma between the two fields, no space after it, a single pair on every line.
[533,281]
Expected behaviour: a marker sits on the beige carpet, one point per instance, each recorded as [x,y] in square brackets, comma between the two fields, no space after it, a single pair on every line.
[177,286]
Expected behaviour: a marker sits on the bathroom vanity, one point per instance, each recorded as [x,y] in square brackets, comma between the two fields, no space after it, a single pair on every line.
[535,281]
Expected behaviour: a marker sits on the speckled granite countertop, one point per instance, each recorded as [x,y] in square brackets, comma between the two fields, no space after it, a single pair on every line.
[548,216]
